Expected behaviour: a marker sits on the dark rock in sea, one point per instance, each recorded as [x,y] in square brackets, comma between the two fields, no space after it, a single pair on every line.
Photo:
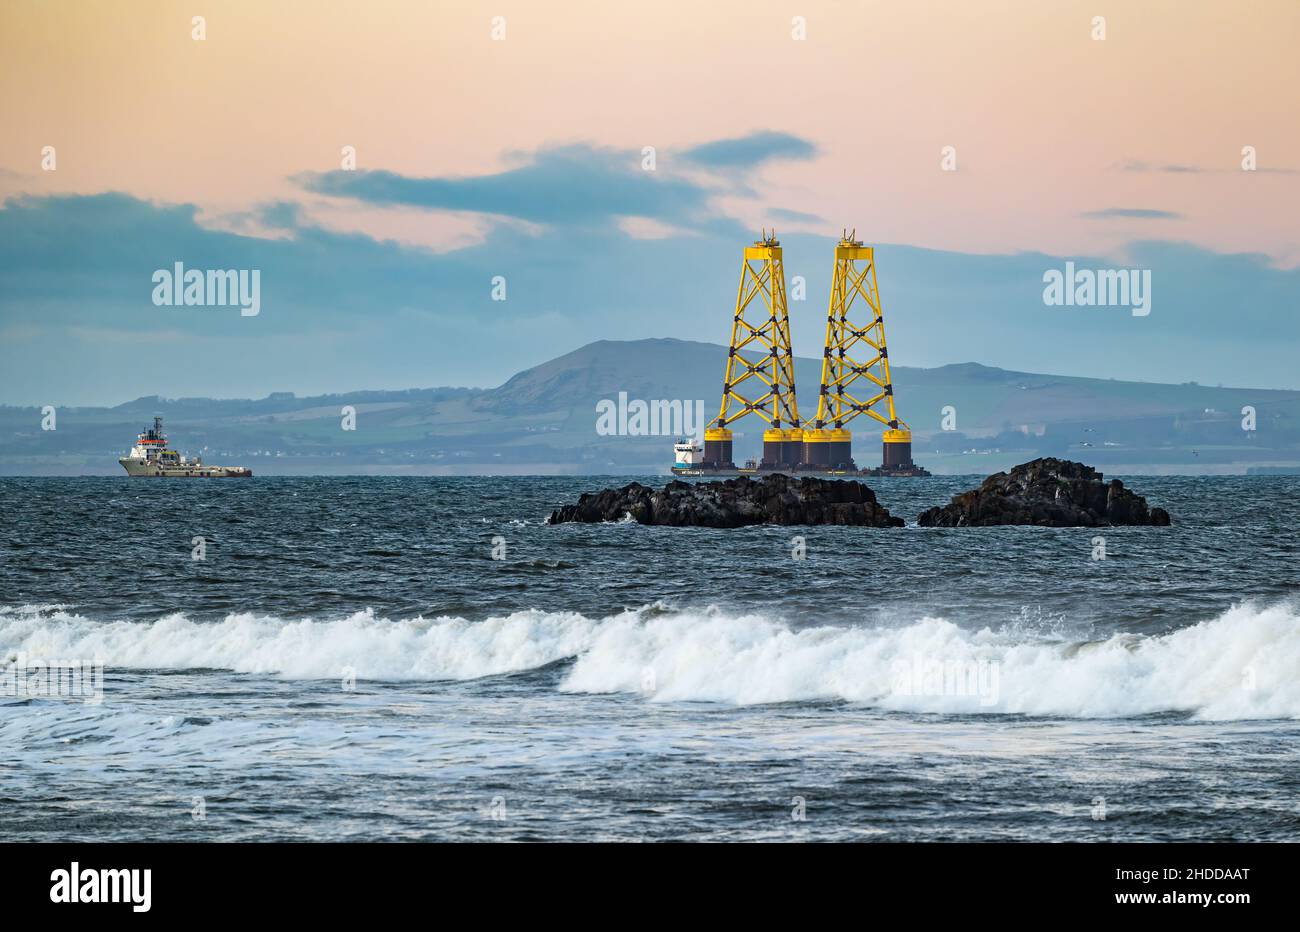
[1047,492]
[772,499]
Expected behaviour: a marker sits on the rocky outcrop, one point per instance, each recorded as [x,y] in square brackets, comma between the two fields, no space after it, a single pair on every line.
[1047,492]
[772,499]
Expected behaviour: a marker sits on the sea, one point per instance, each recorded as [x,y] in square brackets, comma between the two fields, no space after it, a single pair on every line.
[373,658]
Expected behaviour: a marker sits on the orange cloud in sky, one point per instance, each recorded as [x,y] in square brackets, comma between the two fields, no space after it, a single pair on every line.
[1048,123]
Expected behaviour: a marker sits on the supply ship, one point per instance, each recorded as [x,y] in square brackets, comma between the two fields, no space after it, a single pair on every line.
[759,376]
[150,457]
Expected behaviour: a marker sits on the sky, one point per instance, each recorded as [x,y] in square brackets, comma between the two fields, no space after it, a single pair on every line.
[507,141]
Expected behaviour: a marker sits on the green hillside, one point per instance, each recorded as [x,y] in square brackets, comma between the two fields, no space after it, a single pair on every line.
[543,420]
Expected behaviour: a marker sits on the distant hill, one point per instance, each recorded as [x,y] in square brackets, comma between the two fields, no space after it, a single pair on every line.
[543,420]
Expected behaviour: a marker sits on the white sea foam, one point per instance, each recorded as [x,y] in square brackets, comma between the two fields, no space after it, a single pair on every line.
[1240,665]
[375,648]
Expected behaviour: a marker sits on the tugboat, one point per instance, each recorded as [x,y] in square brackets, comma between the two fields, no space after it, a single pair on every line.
[150,457]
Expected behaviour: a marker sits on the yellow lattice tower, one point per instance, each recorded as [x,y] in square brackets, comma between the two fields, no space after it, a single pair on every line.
[855,367]
[760,366]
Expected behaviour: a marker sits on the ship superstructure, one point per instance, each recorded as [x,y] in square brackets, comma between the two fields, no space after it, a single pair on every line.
[150,457]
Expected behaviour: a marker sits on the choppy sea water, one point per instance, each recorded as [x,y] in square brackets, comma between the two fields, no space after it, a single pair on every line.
[423,658]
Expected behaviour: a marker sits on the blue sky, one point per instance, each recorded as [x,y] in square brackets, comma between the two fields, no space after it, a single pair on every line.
[344,311]
[977,146]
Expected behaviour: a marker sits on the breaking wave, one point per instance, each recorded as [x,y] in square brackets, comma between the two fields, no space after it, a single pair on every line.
[1240,665]
[376,648]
